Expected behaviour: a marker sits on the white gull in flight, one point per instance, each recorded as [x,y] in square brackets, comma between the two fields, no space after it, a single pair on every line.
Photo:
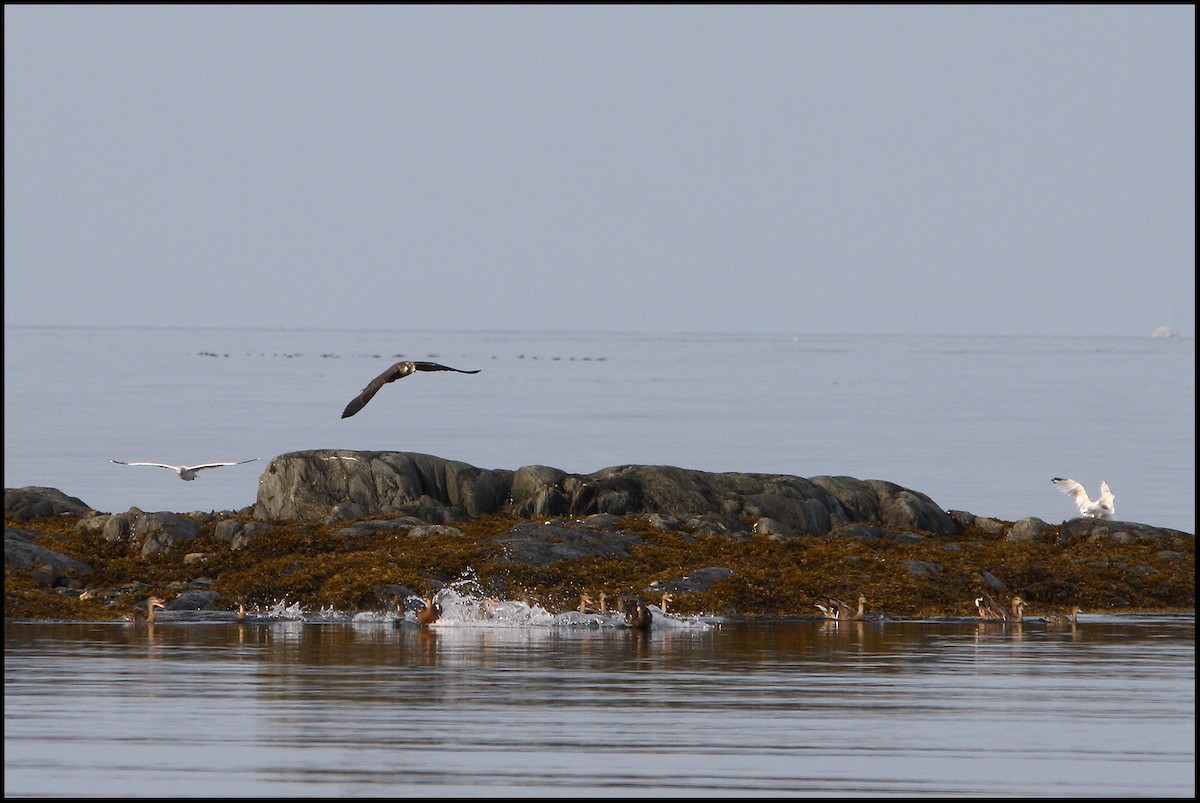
[187,472]
[1101,508]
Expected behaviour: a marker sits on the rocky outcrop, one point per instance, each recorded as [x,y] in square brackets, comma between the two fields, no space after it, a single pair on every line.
[1118,532]
[333,485]
[411,491]
[26,504]
[338,485]
[21,551]
[417,510]
[154,532]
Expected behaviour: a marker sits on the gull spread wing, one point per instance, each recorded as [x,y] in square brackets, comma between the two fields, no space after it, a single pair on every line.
[215,465]
[1075,491]
[1106,495]
[160,465]
[397,371]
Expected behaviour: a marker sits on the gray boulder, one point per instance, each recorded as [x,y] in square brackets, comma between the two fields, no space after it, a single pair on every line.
[332,485]
[922,568]
[308,485]
[966,520]
[699,580]
[1123,532]
[871,532]
[22,551]
[888,504]
[195,600]
[25,504]
[239,534]
[1027,529]
[157,533]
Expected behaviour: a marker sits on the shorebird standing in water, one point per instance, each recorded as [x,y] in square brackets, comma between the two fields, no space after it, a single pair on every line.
[397,371]
[1101,508]
[187,473]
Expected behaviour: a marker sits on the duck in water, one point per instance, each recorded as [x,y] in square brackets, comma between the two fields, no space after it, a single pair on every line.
[988,609]
[144,611]
[1055,618]
[431,613]
[637,615]
[835,609]
[848,614]
[828,609]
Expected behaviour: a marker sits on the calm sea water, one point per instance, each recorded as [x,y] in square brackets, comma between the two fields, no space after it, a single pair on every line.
[979,424]
[318,706]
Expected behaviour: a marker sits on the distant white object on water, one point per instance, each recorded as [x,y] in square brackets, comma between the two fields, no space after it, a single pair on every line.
[1102,508]
[1165,332]
[187,472]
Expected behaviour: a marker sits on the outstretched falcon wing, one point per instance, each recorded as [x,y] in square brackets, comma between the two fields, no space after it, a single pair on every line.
[397,371]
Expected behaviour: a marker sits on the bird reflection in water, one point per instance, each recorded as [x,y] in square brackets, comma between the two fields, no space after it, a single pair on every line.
[428,638]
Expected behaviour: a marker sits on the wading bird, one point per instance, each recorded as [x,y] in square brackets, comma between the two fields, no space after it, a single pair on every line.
[187,473]
[397,371]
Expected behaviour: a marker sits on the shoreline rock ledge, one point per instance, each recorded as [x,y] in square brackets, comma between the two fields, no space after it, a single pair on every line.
[330,485]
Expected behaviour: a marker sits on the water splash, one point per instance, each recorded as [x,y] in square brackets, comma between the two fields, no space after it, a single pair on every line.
[464,605]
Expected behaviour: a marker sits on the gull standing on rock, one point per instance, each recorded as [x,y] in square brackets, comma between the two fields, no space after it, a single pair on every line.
[1102,508]
[187,473]
[397,371]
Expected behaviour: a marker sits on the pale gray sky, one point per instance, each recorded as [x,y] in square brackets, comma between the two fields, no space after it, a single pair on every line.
[797,169]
